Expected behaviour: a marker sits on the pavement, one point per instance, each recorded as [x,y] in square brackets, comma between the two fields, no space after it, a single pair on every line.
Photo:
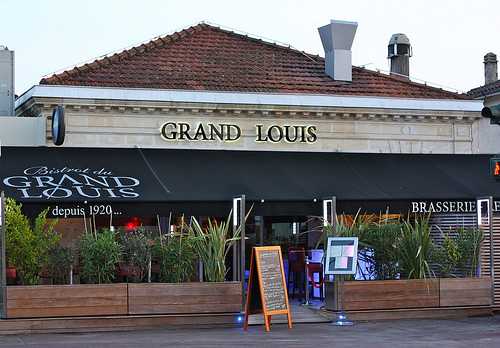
[470,332]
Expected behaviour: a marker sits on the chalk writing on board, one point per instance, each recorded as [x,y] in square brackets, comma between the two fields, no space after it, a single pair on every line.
[272,281]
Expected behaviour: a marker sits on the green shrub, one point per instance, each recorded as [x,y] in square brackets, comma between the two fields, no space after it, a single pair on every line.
[416,248]
[469,244]
[448,256]
[212,244]
[381,252]
[27,247]
[176,257]
[100,254]
[136,252]
[60,261]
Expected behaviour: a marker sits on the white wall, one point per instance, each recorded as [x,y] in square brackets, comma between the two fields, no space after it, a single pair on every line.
[22,131]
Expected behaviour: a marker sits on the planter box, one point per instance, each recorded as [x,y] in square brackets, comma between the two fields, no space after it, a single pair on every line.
[465,291]
[411,294]
[390,294]
[184,298]
[66,300]
[42,301]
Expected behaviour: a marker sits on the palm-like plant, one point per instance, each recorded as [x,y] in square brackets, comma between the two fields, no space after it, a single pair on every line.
[469,242]
[212,243]
[415,248]
[380,251]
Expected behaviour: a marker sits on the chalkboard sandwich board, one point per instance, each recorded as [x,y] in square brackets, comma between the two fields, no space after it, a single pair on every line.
[267,292]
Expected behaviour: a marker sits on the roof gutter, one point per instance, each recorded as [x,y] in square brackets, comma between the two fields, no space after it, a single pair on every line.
[246,98]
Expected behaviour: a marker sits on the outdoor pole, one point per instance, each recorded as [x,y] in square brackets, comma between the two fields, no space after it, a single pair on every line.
[334,213]
[492,265]
[306,271]
[3,278]
[242,243]
[331,218]
[235,245]
[201,271]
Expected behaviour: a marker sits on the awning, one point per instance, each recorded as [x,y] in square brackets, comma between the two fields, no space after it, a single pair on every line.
[42,174]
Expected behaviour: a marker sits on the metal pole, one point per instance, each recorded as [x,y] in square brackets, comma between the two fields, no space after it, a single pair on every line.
[3,264]
[149,269]
[306,272]
[334,213]
[236,263]
[242,243]
[200,271]
[492,264]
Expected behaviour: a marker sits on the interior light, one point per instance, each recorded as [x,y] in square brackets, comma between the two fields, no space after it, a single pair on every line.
[133,223]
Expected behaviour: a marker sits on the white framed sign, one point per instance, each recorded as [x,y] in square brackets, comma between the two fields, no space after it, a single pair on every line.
[341,255]
[483,211]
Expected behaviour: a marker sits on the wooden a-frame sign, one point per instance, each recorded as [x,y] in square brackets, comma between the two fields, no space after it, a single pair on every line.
[267,292]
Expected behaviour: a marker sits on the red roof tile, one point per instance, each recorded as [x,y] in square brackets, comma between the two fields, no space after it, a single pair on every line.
[205,57]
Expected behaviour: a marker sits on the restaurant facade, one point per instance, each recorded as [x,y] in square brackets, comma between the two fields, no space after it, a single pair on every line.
[183,124]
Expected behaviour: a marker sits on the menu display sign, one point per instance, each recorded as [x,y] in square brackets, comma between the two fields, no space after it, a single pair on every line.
[266,292]
[274,291]
[341,255]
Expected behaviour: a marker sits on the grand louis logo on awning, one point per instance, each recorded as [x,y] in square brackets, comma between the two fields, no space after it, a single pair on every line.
[60,183]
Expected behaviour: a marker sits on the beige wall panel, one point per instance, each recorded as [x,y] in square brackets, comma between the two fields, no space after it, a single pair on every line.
[122,125]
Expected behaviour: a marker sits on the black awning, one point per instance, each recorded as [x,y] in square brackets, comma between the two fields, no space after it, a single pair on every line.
[158,175]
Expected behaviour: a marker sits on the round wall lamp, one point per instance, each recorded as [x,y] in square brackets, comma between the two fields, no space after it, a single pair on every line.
[58,125]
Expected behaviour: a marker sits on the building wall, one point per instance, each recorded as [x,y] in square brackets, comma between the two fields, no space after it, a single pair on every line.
[22,131]
[101,123]
[488,135]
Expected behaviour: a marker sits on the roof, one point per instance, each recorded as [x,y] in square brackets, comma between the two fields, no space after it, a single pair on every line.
[205,57]
[486,90]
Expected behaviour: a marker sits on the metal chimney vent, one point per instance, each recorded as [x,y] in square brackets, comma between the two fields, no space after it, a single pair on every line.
[337,38]
[399,52]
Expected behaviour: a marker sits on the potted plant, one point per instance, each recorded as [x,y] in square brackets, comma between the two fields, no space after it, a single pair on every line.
[60,264]
[212,243]
[100,253]
[176,257]
[416,248]
[136,255]
[27,245]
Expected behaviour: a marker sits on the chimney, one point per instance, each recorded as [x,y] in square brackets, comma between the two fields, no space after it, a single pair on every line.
[6,82]
[399,52]
[490,68]
[337,38]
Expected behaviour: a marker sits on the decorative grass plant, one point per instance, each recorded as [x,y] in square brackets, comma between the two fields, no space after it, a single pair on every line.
[212,244]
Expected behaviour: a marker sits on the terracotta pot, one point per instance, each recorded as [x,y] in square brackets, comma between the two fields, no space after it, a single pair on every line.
[11,273]
[128,271]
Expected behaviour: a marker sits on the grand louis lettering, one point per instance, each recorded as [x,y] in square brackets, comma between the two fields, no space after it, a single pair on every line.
[290,134]
[183,131]
[58,183]
[224,132]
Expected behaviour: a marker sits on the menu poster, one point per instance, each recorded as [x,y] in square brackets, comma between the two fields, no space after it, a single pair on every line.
[267,291]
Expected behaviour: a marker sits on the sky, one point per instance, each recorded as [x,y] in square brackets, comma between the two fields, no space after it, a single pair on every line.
[449,37]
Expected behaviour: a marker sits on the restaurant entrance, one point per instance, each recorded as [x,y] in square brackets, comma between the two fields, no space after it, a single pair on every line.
[298,237]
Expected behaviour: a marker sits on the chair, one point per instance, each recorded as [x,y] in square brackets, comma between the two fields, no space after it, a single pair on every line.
[315,268]
[296,267]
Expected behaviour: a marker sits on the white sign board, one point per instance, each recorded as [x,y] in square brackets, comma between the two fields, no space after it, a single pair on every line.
[341,255]
[483,211]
